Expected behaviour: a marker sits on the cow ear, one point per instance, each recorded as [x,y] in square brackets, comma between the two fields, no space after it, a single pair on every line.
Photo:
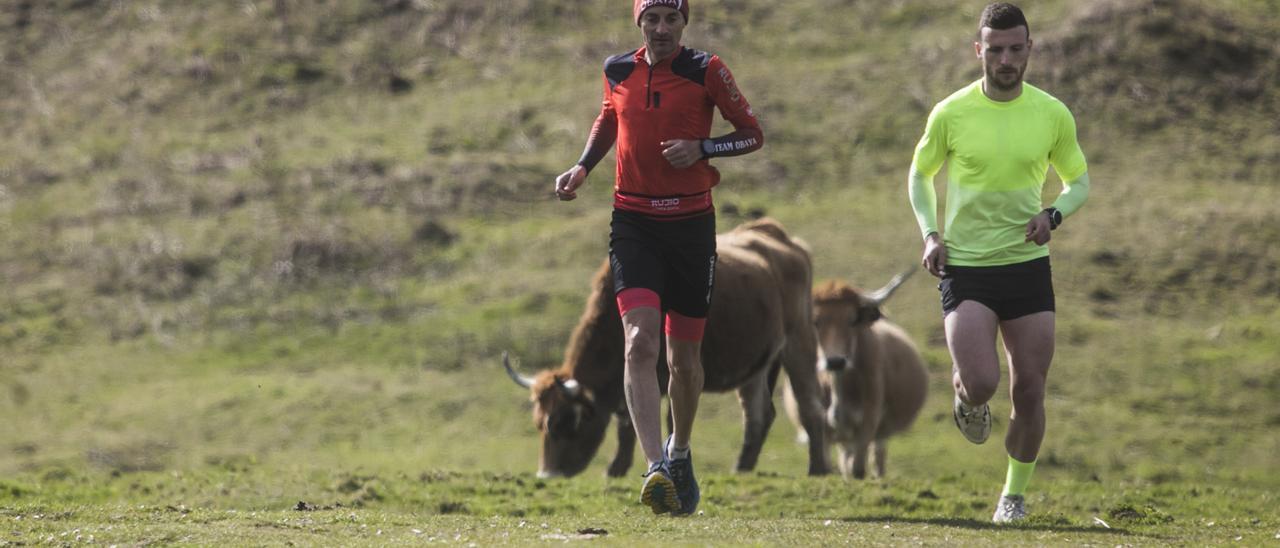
[870,314]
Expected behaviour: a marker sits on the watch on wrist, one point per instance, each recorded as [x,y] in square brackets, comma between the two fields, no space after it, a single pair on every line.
[1055,217]
[708,146]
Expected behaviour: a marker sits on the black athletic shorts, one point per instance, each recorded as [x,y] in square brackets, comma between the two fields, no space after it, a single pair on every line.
[1011,291]
[675,259]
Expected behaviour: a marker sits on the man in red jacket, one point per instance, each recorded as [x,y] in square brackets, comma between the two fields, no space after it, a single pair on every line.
[658,106]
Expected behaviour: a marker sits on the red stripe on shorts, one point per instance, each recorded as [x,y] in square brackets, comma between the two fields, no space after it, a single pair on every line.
[685,328]
[636,297]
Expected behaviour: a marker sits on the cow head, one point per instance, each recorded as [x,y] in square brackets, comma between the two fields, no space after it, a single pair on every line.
[565,413]
[842,315]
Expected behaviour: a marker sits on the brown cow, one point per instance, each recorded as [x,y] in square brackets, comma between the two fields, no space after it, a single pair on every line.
[759,322]
[874,381]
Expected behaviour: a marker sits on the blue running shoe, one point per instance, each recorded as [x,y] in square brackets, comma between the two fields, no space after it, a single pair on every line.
[659,493]
[686,485]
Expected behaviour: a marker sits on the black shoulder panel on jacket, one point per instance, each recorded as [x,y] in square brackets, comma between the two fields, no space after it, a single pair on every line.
[619,67]
[692,64]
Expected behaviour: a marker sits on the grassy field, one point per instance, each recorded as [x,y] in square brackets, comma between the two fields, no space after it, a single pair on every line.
[260,261]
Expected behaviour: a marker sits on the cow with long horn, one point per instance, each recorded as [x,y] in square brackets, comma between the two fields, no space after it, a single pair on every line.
[759,324]
[874,381]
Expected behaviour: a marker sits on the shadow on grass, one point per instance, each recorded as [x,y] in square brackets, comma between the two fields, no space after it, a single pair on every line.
[987,525]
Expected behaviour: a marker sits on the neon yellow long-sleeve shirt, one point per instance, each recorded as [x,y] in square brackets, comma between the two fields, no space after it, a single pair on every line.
[998,154]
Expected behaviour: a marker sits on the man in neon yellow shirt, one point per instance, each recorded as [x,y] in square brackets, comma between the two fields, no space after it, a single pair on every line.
[999,136]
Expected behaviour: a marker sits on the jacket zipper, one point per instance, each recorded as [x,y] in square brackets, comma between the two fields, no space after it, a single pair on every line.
[648,90]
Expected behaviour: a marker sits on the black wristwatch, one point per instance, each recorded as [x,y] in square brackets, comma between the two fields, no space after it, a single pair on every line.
[1055,217]
[708,148]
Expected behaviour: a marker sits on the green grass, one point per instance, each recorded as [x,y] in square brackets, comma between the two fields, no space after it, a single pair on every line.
[275,502]
[242,270]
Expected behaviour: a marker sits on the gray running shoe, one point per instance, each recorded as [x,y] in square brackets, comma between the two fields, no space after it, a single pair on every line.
[686,484]
[973,422]
[1010,509]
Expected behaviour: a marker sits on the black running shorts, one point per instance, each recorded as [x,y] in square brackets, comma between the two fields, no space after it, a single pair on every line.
[675,259]
[1011,291]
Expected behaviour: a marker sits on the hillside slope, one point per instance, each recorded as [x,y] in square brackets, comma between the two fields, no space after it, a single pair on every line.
[226,231]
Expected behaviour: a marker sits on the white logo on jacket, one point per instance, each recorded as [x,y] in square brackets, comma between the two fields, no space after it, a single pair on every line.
[664,204]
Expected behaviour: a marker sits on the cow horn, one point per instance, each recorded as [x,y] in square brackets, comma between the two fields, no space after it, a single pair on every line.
[521,380]
[879,296]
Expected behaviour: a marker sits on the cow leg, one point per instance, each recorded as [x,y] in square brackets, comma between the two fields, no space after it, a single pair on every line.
[626,446]
[861,445]
[757,416]
[881,450]
[844,458]
[867,430]
[800,360]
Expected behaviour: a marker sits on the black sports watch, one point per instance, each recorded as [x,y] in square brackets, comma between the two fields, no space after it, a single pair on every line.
[1055,217]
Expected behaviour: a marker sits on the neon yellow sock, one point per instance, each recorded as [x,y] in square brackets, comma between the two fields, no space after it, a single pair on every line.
[1015,482]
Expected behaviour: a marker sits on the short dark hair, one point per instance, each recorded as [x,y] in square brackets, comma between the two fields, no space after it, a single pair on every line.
[1002,16]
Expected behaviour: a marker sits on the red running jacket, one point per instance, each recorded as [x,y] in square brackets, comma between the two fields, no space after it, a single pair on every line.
[645,105]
